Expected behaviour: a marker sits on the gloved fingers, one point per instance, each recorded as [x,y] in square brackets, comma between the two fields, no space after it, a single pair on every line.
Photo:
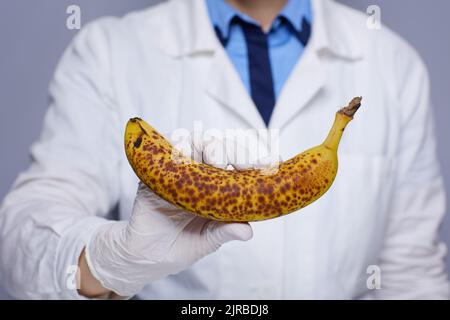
[154,214]
[271,161]
[229,152]
[200,147]
[144,192]
[241,153]
[214,153]
[217,233]
[214,149]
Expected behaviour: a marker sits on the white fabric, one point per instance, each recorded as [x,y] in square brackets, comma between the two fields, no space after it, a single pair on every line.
[165,65]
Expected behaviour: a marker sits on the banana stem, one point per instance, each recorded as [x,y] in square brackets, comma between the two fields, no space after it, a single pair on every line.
[352,107]
[343,117]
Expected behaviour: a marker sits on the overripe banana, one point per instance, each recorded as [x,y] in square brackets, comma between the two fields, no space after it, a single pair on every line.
[231,195]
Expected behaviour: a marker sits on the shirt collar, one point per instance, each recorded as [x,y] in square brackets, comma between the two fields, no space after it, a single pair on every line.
[222,14]
[295,11]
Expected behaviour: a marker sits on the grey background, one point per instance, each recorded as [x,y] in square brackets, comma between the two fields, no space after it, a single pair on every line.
[33,35]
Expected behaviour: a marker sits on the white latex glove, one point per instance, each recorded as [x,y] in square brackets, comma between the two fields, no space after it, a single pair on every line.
[160,239]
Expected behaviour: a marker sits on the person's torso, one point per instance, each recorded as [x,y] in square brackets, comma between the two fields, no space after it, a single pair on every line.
[322,251]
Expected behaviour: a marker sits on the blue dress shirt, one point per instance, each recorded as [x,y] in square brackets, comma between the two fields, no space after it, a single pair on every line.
[285,47]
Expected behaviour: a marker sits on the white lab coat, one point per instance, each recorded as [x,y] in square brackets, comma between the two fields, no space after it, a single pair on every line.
[165,65]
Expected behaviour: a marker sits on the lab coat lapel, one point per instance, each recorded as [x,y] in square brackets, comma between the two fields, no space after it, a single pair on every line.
[306,80]
[329,35]
[188,32]
[224,85]
[308,76]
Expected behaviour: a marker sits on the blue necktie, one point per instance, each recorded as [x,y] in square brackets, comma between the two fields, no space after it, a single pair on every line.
[260,72]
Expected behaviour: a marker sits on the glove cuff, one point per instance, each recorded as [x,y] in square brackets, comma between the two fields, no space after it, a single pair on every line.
[103,253]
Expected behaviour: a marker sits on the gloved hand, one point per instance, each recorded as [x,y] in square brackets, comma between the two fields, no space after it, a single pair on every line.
[160,239]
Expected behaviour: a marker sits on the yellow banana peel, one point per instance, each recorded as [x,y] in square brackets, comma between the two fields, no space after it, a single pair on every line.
[235,195]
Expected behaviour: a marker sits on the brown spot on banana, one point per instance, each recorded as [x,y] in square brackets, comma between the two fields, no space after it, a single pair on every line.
[245,195]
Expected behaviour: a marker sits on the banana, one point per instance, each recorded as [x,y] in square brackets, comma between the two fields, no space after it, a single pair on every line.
[231,195]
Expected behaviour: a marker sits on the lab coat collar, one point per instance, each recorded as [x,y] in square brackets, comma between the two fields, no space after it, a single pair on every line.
[333,33]
[189,31]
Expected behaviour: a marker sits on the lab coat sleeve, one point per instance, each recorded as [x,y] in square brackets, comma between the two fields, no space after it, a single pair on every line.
[412,260]
[55,206]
